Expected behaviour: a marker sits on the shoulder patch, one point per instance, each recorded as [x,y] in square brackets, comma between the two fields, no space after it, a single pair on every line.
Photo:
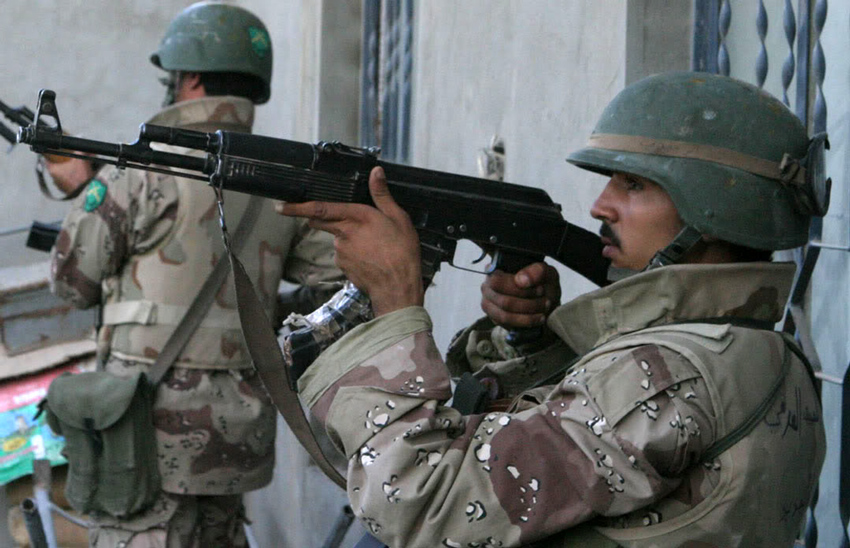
[95,195]
[260,41]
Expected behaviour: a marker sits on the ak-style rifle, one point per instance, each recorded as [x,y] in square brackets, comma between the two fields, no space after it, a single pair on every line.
[517,225]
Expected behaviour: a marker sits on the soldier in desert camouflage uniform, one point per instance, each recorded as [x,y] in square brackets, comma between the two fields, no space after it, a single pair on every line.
[666,411]
[141,244]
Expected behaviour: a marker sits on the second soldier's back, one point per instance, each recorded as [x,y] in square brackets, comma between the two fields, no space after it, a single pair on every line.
[142,244]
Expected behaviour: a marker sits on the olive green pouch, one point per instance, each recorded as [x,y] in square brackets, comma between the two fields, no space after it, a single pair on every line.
[110,443]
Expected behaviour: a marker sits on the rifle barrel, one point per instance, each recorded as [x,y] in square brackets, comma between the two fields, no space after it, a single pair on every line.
[8,134]
[21,115]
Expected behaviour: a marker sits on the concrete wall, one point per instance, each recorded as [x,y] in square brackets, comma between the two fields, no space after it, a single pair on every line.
[94,73]
[658,34]
[537,73]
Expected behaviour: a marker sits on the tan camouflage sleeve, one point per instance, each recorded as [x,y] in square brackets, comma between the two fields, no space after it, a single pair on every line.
[120,213]
[422,475]
[310,260]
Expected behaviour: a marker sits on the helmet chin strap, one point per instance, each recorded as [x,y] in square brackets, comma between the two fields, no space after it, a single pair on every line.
[684,241]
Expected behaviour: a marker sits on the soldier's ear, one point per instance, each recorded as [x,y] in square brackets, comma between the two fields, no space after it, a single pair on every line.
[190,86]
[192,80]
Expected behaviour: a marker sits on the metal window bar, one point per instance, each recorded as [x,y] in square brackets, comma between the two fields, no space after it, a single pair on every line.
[724,22]
[712,20]
[386,77]
[789,26]
[390,42]
[706,34]
[762,59]
[396,79]
[370,120]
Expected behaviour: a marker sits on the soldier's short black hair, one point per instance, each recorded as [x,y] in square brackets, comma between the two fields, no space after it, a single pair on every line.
[233,83]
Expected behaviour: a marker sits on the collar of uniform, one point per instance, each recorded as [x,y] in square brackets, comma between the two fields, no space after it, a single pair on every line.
[754,291]
[209,114]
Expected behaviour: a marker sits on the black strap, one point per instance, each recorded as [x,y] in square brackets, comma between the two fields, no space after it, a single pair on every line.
[470,395]
[268,360]
[203,300]
[686,239]
[742,430]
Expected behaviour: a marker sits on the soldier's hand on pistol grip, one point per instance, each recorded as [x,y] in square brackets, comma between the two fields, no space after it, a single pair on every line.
[524,299]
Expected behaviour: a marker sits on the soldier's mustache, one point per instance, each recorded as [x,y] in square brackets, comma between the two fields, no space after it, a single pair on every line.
[607,232]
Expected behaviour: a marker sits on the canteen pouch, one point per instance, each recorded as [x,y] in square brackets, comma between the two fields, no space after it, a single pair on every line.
[110,443]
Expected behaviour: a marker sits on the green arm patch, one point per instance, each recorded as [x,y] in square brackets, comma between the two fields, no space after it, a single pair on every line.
[95,195]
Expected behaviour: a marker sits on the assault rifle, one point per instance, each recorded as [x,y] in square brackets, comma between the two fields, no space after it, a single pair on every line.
[517,225]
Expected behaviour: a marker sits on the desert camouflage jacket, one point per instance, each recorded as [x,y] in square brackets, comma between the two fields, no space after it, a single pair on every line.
[612,453]
[142,244]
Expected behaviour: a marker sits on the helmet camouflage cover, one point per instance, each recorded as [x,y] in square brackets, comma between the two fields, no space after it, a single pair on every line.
[216,37]
[732,157]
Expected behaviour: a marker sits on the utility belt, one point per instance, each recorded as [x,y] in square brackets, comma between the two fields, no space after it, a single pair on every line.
[143,312]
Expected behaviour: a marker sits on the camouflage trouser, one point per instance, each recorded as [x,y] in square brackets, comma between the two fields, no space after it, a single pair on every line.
[177,521]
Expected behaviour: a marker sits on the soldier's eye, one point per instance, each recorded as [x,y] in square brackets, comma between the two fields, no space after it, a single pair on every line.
[633,183]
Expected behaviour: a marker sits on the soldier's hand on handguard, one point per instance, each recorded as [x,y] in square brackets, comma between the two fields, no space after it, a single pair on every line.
[524,299]
[70,173]
[376,247]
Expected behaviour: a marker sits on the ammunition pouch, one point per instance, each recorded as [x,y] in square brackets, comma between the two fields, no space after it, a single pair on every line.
[110,443]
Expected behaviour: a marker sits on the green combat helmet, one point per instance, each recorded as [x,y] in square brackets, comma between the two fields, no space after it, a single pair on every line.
[736,162]
[214,37]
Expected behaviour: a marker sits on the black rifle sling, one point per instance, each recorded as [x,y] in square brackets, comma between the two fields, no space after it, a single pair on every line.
[203,300]
[267,357]
[760,411]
